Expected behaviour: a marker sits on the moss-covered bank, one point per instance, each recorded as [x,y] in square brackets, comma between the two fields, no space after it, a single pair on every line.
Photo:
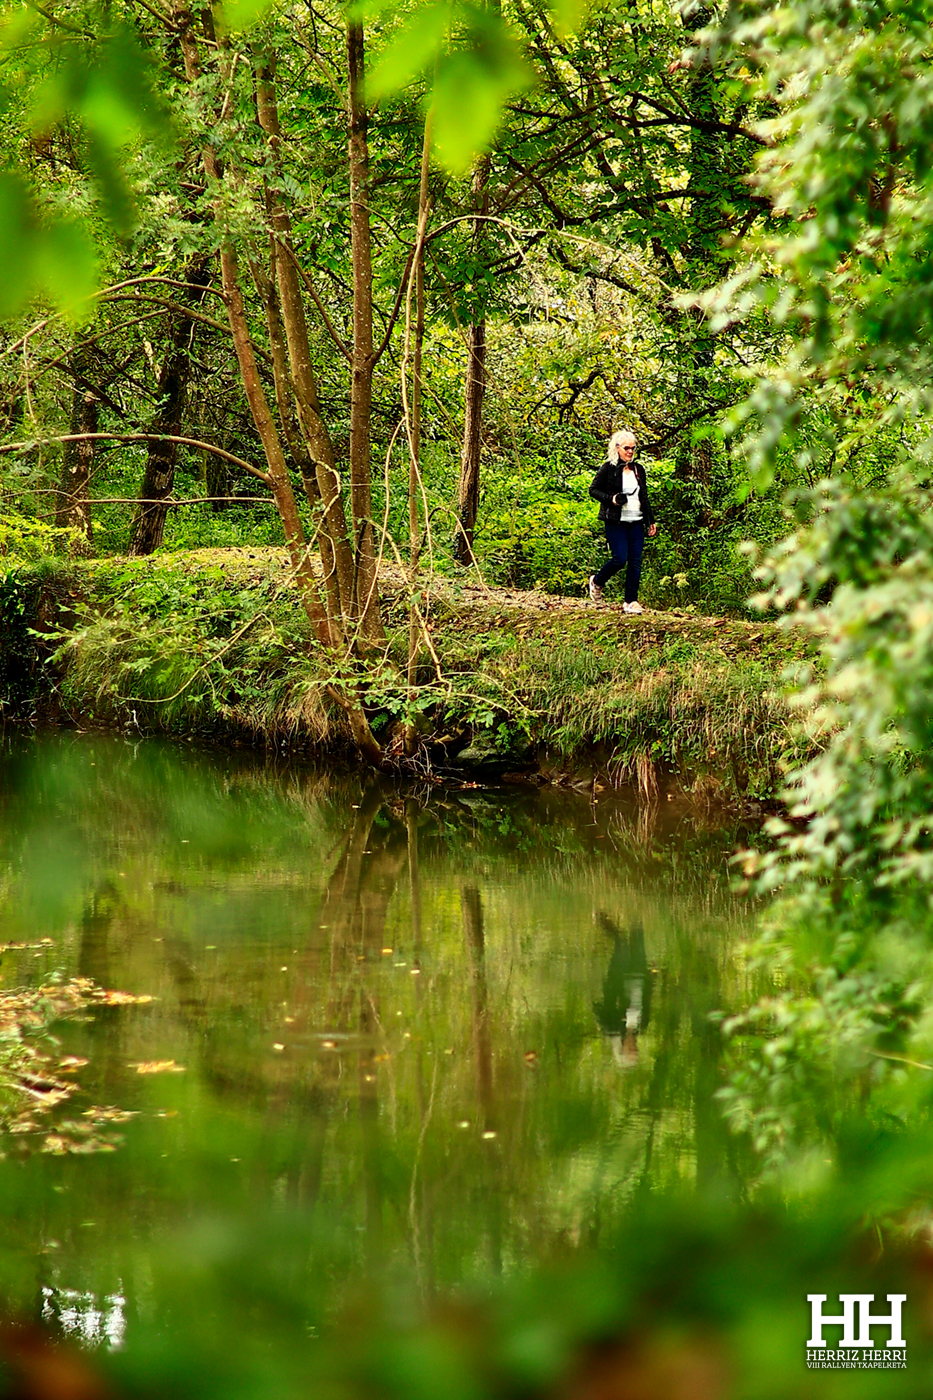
[213,644]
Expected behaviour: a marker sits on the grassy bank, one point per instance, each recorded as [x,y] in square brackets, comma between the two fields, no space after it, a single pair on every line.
[213,644]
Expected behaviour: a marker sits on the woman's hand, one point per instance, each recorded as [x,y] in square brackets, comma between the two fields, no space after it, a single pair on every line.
[652,530]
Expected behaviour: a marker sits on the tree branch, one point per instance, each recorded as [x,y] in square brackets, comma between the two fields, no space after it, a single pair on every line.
[393,317]
[137,437]
[310,288]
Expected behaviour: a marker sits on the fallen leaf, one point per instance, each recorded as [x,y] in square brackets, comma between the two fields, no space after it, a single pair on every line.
[158,1067]
[110,1114]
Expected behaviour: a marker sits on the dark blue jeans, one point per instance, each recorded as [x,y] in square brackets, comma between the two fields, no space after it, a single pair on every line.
[626,543]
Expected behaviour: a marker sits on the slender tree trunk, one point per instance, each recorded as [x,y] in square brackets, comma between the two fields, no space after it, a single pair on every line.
[272,446]
[474,395]
[324,487]
[159,475]
[706,186]
[474,391]
[277,470]
[277,474]
[73,507]
[361,388]
[280,485]
[415,538]
[216,481]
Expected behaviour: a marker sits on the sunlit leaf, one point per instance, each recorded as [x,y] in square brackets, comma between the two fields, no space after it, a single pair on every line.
[116,198]
[568,15]
[365,10]
[66,266]
[17,236]
[413,50]
[470,91]
[235,15]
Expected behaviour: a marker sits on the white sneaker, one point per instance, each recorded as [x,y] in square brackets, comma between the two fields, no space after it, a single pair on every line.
[596,593]
[632,608]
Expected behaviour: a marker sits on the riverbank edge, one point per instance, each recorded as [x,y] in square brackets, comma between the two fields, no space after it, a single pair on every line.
[520,687]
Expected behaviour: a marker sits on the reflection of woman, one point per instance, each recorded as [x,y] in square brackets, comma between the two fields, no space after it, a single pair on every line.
[624,1009]
[621,488]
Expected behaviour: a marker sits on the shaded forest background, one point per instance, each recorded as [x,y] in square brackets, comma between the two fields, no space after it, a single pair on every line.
[438,342]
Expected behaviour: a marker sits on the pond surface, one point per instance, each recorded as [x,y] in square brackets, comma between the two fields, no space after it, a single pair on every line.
[404,1031]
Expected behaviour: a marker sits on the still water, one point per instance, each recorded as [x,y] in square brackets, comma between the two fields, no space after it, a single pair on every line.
[432,1033]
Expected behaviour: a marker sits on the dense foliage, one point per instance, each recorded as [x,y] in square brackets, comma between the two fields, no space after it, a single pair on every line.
[616,178]
[682,222]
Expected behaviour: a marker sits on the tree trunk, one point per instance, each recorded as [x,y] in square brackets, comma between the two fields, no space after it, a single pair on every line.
[324,487]
[159,476]
[468,493]
[277,473]
[474,390]
[361,389]
[416,622]
[217,481]
[707,188]
[272,446]
[73,507]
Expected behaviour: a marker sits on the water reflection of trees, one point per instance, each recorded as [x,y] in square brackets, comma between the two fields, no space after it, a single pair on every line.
[481,1015]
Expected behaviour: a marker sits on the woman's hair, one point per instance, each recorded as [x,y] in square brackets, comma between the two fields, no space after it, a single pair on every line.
[612,450]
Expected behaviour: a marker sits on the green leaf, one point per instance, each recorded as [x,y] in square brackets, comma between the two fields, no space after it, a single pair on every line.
[412,51]
[362,11]
[66,267]
[470,91]
[233,16]
[568,15]
[17,240]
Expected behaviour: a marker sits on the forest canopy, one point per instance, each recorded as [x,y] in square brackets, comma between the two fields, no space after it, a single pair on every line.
[377,284]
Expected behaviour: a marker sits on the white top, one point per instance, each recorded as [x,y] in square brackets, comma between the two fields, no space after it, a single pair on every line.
[630,505]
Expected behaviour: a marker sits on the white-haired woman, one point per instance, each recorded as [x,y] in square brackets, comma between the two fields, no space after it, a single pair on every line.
[621,488]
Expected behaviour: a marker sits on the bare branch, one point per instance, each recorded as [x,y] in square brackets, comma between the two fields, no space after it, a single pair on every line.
[136,437]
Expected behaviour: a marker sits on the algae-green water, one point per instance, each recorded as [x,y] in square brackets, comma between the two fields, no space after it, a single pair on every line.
[395,1031]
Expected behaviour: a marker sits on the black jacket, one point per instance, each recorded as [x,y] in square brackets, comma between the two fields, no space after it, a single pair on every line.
[608,483]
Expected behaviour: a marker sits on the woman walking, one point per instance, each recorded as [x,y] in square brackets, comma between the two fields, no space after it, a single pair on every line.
[625,510]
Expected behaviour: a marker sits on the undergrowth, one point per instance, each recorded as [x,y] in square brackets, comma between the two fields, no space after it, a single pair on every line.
[215,644]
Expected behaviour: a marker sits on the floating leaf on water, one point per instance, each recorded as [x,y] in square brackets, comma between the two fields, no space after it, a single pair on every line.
[92,1144]
[57,1145]
[110,1114]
